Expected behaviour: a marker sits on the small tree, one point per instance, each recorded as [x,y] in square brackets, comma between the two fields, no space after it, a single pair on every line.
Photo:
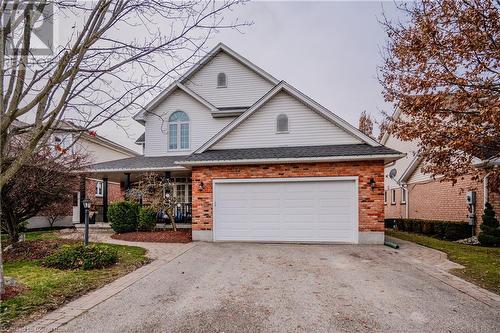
[158,193]
[490,231]
[366,124]
[57,211]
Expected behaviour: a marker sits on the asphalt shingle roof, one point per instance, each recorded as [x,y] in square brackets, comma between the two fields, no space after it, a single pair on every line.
[290,152]
[138,163]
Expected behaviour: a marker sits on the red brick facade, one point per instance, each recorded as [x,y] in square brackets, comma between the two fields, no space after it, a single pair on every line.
[371,204]
[435,200]
[115,192]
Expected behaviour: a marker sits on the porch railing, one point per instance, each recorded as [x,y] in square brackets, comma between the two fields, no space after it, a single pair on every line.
[182,214]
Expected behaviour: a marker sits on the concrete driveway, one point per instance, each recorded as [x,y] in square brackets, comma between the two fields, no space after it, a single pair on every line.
[228,287]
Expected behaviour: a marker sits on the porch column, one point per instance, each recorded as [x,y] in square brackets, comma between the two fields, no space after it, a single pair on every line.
[127,181]
[83,181]
[105,199]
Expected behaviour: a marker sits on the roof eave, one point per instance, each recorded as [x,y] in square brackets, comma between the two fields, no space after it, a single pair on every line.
[172,168]
[386,158]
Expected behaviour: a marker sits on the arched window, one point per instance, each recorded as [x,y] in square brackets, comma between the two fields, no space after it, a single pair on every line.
[178,131]
[221,80]
[282,123]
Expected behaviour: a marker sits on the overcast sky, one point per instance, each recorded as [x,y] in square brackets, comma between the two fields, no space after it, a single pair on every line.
[328,50]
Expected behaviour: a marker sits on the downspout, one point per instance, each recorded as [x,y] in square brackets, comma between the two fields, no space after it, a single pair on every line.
[407,206]
[485,190]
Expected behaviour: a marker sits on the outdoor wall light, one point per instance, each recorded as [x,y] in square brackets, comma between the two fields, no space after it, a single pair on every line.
[372,184]
[201,187]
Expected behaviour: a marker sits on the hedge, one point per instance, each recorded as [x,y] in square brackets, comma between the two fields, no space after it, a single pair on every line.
[123,216]
[448,230]
[147,219]
[82,257]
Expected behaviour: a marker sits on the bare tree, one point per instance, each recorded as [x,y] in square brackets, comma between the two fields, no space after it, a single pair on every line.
[113,55]
[158,193]
[56,211]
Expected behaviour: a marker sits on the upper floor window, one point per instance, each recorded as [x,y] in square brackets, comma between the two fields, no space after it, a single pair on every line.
[221,80]
[178,131]
[385,197]
[62,142]
[393,196]
[282,123]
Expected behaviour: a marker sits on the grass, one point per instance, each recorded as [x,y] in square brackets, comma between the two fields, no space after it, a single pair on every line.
[48,288]
[482,264]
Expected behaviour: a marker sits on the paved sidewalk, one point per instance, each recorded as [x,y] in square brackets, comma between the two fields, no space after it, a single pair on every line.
[162,253]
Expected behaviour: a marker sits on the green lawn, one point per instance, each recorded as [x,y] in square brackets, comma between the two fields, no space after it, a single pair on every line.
[482,264]
[47,288]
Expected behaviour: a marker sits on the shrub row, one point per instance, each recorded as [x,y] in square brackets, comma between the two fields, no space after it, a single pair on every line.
[449,230]
[126,216]
[82,257]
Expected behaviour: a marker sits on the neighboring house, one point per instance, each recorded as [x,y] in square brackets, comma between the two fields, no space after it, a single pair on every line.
[257,160]
[415,194]
[97,149]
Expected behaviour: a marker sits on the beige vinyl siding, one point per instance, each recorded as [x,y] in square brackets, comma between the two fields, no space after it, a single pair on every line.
[408,147]
[244,86]
[418,176]
[202,126]
[306,127]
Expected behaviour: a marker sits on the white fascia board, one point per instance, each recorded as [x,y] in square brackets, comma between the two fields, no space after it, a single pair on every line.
[173,168]
[410,168]
[167,92]
[301,97]
[386,158]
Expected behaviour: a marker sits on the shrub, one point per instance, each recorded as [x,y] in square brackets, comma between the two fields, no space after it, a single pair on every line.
[123,216]
[147,219]
[82,257]
[448,230]
[490,231]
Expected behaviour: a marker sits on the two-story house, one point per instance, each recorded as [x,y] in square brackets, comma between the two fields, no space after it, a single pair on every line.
[257,159]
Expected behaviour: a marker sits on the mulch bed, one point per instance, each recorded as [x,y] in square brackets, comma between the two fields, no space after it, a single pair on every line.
[13,291]
[168,236]
[34,249]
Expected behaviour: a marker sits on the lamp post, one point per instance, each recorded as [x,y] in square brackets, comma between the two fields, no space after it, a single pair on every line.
[86,205]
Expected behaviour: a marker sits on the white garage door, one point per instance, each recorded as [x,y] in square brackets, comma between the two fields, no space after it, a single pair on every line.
[286,210]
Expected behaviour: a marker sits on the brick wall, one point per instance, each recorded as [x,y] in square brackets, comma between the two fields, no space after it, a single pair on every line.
[114,192]
[435,200]
[371,203]
[397,210]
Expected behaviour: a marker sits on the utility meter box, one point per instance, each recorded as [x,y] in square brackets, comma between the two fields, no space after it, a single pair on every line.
[470,197]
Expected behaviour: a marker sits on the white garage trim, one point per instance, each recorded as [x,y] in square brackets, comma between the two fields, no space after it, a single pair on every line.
[354,179]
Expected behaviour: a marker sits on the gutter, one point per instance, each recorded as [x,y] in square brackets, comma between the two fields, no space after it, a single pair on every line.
[292,160]
[173,168]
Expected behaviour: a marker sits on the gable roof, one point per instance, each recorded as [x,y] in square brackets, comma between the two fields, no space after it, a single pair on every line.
[179,83]
[221,47]
[283,86]
[167,92]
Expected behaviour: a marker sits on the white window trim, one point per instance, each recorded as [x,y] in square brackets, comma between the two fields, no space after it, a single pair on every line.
[222,86]
[403,190]
[178,137]
[393,196]
[102,188]
[287,122]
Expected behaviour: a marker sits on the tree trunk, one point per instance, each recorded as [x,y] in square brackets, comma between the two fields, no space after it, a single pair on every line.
[172,219]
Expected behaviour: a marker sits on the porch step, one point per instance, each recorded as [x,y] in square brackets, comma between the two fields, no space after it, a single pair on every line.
[107,227]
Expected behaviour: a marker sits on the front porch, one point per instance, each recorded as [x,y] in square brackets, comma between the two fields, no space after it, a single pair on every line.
[104,185]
